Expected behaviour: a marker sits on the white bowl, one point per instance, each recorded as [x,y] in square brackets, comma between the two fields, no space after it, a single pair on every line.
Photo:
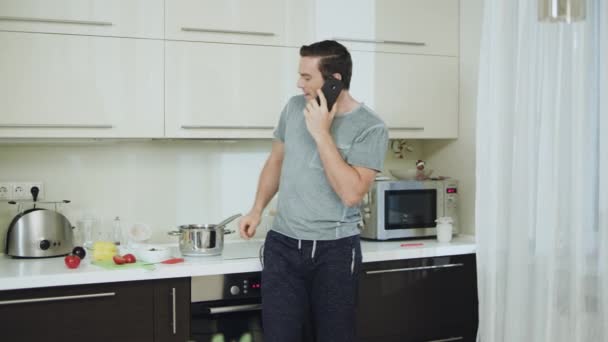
[153,253]
[404,173]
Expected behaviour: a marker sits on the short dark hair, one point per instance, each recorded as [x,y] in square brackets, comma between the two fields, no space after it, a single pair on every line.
[335,58]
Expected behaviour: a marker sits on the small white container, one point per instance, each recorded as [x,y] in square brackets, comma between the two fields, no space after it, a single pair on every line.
[152,253]
[444,229]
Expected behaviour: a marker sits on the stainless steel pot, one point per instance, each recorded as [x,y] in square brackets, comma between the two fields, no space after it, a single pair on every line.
[202,239]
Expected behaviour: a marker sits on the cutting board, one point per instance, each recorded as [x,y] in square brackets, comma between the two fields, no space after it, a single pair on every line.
[110,265]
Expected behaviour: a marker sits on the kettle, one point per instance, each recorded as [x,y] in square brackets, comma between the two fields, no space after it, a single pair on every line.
[39,233]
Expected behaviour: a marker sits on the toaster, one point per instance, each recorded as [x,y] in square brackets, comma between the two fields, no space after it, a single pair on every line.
[39,233]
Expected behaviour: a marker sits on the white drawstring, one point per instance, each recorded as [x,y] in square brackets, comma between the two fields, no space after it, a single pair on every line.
[352,263]
[299,244]
[314,246]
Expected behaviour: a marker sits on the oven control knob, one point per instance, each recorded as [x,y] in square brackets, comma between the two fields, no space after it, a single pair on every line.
[367,216]
[235,290]
[45,244]
[367,210]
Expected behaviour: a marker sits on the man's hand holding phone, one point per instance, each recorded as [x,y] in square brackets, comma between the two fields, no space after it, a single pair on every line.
[318,117]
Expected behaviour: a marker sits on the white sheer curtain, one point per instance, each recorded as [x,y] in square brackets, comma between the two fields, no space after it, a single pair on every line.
[542,176]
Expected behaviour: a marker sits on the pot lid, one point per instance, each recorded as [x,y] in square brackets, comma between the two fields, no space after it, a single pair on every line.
[199,226]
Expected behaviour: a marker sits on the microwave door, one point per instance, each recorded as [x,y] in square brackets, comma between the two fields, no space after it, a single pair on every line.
[410,209]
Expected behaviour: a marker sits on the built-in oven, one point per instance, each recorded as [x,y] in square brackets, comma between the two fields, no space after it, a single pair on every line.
[226,308]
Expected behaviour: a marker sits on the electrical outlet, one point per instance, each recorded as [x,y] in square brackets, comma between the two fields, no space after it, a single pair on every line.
[19,191]
[40,189]
[23,190]
[6,191]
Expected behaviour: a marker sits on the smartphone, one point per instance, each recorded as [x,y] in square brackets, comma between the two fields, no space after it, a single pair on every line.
[331,90]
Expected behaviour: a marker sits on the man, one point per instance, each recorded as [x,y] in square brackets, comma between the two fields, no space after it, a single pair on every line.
[323,161]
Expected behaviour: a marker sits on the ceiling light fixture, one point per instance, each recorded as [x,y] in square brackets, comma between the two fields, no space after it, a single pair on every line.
[561,10]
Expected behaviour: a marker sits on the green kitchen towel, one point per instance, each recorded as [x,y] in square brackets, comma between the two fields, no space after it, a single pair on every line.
[110,265]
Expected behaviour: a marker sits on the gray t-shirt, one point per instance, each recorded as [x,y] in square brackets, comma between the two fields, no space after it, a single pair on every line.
[308,207]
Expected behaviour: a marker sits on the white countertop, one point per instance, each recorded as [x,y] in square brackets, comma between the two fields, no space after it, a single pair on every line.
[33,273]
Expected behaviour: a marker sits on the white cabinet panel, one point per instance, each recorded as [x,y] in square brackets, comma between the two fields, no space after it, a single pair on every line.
[124,18]
[230,21]
[80,86]
[416,95]
[402,26]
[223,90]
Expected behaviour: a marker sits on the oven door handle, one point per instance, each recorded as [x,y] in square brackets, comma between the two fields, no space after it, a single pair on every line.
[234,308]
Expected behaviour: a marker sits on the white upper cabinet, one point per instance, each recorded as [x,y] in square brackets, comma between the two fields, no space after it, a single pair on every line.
[226,90]
[122,18]
[417,96]
[260,22]
[80,86]
[401,26]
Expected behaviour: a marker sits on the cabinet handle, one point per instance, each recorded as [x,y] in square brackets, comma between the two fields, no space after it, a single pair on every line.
[173,311]
[414,268]
[57,21]
[54,299]
[459,338]
[53,126]
[251,33]
[413,128]
[380,41]
[225,127]
[235,308]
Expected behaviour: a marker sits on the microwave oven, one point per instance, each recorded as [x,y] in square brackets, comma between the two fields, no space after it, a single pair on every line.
[396,209]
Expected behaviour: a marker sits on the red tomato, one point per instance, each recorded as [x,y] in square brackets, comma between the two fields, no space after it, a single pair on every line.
[72,261]
[118,260]
[129,258]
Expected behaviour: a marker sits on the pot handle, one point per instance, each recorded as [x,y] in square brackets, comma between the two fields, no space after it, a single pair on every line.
[228,220]
[175,233]
[228,231]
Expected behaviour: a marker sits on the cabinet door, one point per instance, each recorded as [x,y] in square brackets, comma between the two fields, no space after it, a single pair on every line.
[80,86]
[222,90]
[123,18]
[105,312]
[430,299]
[416,95]
[229,21]
[172,310]
[402,26]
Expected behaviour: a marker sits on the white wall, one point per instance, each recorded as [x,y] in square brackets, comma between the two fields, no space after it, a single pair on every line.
[456,158]
[161,183]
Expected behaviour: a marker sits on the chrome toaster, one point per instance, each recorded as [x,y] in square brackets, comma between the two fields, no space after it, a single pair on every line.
[39,233]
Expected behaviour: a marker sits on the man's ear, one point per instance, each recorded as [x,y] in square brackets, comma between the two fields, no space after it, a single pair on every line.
[337,76]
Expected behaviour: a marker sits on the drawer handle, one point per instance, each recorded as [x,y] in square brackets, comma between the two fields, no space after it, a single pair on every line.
[58,21]
[251,33]
[413,128]
[421,268]
[174,325]
[54,299]
[235,308]
[380,41]
[459,338]
[225,127]
[54,126]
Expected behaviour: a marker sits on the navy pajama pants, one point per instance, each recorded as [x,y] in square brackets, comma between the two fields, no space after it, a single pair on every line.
[310,282]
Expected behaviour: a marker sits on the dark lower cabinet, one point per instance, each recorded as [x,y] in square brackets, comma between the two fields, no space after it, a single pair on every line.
[156,310]
[428,299]
[172,310]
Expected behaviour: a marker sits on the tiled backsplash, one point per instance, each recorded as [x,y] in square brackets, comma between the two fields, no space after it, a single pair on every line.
[162,183]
